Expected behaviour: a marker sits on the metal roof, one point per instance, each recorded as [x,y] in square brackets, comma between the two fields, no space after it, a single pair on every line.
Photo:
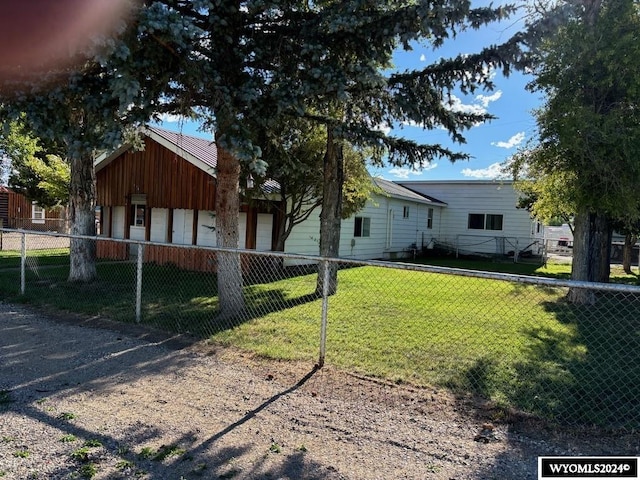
[398,191]
[199,148]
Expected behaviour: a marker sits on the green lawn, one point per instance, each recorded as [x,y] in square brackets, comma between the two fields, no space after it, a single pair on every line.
[519,345]
[51,256]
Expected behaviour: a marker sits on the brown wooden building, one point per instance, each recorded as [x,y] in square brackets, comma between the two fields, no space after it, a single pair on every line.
[17,211]
[166,193]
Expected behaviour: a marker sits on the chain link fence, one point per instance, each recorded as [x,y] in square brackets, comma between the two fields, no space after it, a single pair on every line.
[516,341]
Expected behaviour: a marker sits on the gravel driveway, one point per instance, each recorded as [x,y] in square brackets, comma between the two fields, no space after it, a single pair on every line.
[86,398]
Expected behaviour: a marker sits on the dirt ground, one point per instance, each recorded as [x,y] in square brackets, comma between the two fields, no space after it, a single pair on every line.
[87,398]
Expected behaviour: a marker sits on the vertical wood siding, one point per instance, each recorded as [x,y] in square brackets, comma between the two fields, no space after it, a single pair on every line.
[166,179]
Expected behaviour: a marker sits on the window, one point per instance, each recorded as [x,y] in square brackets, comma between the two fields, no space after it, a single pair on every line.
[476,221]
[430,218]
[138,210]
[481,221]
[37,213]
[362,227]
[405,212]
[494,222]
[137,217]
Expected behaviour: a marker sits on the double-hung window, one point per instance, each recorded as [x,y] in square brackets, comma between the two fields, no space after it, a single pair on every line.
[484,221]
[37,213]
[362,227]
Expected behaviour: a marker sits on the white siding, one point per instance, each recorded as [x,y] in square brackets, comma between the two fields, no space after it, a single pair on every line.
[391,235]
[468,197]
[159,219]
[305,237]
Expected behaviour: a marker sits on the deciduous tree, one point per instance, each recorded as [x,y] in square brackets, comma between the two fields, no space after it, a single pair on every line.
[589,126]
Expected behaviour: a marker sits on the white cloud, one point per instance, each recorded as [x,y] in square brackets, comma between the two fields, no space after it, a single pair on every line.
[384,128]
[455,105]
[399,172]
[493,171]
[423,58]
[514,141]
[170,118]
[478,106]
[485,100]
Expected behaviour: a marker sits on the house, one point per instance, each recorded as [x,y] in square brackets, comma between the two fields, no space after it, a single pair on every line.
[166,193]
[482,217]
[395,223]
[17,211]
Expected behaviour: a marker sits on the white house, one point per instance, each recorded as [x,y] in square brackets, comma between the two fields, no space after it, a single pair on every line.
[393,224]
[482,217]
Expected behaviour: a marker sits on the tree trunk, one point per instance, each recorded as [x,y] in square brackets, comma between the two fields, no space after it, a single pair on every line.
[591,248]
[230,294]
[627,252]
[82,203]
[281,222]
[331,215]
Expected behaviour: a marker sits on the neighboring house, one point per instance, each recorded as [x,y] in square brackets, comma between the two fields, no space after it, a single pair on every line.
[166,193]
[395,223]
[17,211]
[482,217]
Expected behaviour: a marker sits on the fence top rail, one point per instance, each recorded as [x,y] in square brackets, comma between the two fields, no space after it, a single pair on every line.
[508,277]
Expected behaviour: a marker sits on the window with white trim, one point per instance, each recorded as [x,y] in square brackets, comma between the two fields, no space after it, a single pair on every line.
[484,221]
[362,227]
[430,218]
[37,213]
[405,212]
[138,210]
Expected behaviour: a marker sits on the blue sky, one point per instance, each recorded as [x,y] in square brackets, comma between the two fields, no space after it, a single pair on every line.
[489,144]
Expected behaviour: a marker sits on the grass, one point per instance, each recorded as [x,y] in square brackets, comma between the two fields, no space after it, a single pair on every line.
[522,346]
[67,416]
[35,258]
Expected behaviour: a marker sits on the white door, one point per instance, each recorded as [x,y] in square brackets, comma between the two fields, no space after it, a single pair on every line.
[264,232]
[182,226]
[159,217]
[206,229]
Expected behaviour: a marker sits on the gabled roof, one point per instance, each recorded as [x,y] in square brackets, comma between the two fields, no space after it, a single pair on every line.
[200,148]
[198,151]
[395,190]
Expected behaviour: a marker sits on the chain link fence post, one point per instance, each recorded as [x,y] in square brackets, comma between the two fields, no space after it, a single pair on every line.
[326,274]
[139,283]
[23,263]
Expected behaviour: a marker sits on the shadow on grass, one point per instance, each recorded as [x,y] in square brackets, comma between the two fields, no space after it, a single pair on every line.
[172,299]
[586,374]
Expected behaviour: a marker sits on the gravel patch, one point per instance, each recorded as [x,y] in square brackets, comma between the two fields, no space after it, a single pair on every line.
[87,398]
